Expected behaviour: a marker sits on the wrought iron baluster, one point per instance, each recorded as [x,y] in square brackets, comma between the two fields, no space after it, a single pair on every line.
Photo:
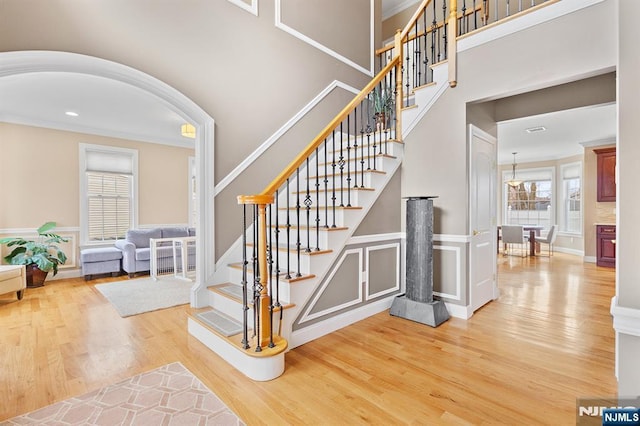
[355,145]
[465,19]
[425,62]
[326,187]
[277,234]
[270,264]
[434,35]
[444,29]
[407,84]
[317,200]
[416,50]
[349,160]
[475,16]
[333,178]
[298,273]
[288,276]
[341,165]
[307,204]
[245,300]
[362,145]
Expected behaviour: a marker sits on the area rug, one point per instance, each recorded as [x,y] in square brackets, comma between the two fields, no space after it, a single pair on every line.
[169,395]
[135,296]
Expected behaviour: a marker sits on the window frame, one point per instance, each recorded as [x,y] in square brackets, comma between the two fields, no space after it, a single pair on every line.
[523,173]
[562,211]
[132,155]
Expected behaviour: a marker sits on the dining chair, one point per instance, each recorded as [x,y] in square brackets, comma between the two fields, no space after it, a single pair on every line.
[513,235]
[549,239]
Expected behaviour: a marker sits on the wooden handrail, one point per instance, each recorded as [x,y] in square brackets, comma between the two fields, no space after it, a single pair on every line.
[413,19]
[440,24]
[297,162]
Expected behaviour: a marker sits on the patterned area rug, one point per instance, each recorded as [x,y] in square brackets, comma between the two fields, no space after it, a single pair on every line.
[170,395]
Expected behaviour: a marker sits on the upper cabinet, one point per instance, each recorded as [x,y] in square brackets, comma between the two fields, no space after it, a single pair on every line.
[606,174]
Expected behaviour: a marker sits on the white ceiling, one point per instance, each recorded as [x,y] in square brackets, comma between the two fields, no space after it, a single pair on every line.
[565,131]
[105,107]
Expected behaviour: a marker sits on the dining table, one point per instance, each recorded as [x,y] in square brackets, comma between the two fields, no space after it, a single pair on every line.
[534,231]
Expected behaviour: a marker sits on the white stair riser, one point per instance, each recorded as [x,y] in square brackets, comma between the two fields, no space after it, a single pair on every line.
[326,238]
[322,198]
[229,306]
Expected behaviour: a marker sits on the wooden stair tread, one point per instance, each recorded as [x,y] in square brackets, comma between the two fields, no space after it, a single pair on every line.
[236,339]
[218,289]
[313,228]
[313,252]
[322,208]
[313,191]
[293,279]
[382,172]
[360,158]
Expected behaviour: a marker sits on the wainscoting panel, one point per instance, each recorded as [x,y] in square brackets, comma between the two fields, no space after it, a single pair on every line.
[342,289]
[382,270]
[450,269]
[367,272]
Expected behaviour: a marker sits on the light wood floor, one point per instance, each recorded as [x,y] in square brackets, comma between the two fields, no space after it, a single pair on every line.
[522,359]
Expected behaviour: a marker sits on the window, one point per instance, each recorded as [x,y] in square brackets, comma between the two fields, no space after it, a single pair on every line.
[571,220]
[108,192]
[530,203]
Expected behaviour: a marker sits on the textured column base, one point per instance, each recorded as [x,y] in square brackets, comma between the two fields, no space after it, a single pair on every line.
[432,313]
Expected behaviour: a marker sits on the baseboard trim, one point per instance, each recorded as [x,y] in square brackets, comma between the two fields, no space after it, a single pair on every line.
[307,334]
[589,259]
[625,320]
[569,251]
[459,311]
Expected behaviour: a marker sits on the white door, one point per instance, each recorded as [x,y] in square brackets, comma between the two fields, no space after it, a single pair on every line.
[482,205]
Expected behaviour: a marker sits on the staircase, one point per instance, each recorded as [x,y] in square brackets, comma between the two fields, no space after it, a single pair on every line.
[370,168]
[300,224]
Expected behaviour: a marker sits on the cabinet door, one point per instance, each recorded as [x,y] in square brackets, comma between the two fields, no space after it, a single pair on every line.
[606,248]
[606,174]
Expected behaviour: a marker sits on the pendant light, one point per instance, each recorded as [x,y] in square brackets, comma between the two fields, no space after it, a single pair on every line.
[513,182]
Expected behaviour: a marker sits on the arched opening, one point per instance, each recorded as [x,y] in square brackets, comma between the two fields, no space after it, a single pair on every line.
[29,62]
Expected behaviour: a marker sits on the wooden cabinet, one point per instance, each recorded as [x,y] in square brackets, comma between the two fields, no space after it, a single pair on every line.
[606,245]
[606,174]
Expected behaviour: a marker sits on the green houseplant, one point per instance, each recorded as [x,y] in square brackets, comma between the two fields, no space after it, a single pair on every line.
[383,105]
[40,255]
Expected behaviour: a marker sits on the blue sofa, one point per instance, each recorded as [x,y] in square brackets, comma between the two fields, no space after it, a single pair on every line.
[136,251]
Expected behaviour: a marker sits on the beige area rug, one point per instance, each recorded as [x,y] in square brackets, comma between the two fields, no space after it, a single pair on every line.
[169,395]
[138,295]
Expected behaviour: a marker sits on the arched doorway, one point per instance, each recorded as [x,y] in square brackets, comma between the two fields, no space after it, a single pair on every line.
[29,62]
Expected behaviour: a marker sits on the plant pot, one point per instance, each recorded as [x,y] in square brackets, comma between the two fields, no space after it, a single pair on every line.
[35,276]
[381,121]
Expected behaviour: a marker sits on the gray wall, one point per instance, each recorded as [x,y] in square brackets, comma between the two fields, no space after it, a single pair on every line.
[628,158]
[250,76]
[442,134]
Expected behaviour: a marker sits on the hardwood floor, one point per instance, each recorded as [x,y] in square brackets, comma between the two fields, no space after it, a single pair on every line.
[522,359]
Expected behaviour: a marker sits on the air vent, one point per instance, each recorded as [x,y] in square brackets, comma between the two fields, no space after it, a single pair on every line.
[536,129]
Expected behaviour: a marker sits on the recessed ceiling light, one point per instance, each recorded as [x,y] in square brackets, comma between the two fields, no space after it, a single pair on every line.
[536,129]
[71,114]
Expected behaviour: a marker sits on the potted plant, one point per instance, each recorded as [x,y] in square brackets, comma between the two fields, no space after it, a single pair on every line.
[40,255]
[383,105]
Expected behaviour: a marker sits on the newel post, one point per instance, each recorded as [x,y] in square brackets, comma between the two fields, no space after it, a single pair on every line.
[262,298]
[399,95]
[452,34]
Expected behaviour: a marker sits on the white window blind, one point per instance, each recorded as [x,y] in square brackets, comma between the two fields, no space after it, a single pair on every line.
[109,205]
[109,186]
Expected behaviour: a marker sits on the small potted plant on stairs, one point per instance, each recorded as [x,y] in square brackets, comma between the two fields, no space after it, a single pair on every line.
[383,105]
[39,255]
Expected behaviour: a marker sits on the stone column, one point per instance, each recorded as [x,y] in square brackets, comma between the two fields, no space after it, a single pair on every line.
[417,303]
